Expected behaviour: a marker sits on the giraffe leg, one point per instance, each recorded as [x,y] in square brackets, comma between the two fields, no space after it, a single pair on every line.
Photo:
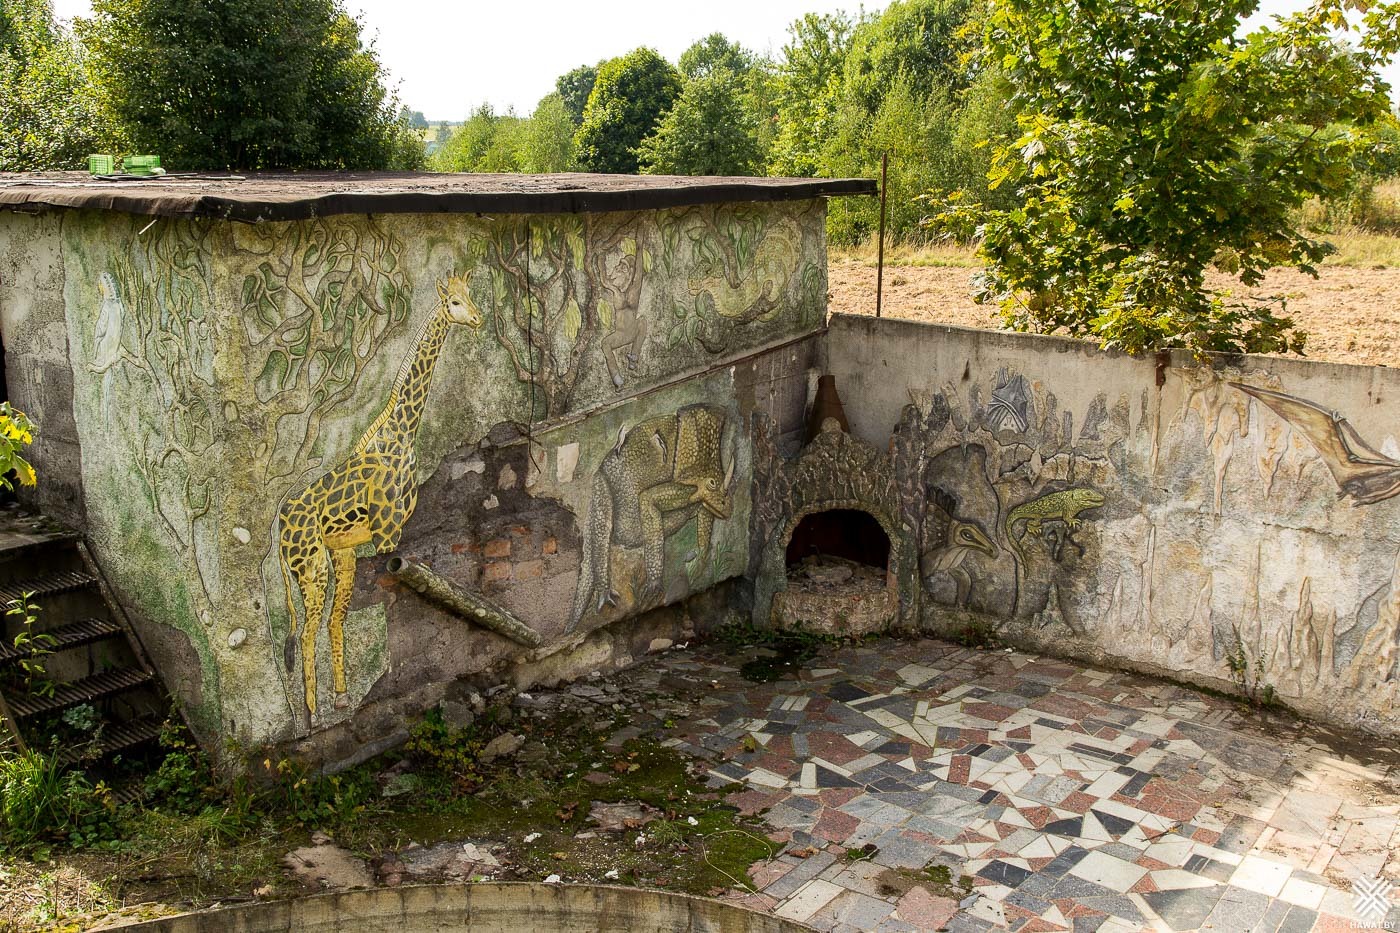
[313,579]
[343,560]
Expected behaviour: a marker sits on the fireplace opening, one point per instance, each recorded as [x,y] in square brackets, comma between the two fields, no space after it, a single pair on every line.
[846,534]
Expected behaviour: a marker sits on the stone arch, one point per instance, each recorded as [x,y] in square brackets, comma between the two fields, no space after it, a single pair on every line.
[835,471]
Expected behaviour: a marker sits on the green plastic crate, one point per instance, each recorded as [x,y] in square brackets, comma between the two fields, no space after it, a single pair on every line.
[140,164]
[102,164]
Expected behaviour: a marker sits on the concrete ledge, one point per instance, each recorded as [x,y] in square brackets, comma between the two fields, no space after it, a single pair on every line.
[479,908]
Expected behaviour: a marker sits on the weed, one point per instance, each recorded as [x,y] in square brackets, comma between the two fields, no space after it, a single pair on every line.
[1249,677]
[40,801]
[789,649]
[977,633]
[35,646]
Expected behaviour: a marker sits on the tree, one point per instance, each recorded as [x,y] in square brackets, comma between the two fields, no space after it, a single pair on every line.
[49,117]
[413,118]
[713,53]
[574,88]
[475,147]
[1155,142]
[708,131]
[807,91]
[630,97]
[547,138]
[251,84]
[917,40]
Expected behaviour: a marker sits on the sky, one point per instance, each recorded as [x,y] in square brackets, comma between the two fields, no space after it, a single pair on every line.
[449,57]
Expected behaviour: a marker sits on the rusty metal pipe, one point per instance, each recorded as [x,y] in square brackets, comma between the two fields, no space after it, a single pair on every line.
[469,606]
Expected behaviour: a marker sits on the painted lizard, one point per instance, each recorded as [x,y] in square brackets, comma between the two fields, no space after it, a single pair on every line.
[1064,506]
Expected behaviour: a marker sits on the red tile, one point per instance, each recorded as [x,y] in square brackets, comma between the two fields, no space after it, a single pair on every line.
[839,796]
[958,769]
[835,826]
[992,712]
[1078,802]
[1145,885]
[836,749]
[1038,816]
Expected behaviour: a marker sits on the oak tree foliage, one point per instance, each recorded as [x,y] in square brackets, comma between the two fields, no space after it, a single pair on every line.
[628,100]
[1156,142]
[246,84]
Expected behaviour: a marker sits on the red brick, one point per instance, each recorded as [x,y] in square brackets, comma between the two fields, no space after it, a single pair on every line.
[551,545]
[529,570]
[520,531]
[499,570]
[498,547]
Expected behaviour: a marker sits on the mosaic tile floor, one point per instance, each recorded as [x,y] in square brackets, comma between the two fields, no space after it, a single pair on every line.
[1073,798]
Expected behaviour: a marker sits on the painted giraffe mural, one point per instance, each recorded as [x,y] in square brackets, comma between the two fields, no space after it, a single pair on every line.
[365,499]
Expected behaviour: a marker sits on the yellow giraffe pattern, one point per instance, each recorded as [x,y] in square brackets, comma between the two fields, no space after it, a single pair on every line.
[367,498]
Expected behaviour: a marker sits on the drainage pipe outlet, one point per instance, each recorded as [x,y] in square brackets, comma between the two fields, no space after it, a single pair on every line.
[469,606]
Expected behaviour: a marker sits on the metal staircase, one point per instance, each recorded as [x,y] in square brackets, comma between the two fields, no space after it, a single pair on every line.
[91,656]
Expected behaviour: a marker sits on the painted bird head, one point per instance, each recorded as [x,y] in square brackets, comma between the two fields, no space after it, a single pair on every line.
[968,535]
[454,294]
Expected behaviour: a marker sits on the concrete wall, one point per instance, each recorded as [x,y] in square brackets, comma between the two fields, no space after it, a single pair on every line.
[551,411]
[1202,521]
[492,907]
[38,372]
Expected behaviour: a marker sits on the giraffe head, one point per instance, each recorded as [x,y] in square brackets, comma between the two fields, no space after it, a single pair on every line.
[454,295]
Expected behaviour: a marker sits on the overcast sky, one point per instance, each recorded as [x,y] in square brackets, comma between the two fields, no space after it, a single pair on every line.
[448,57]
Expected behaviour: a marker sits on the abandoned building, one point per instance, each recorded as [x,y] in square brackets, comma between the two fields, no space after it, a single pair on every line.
[345,447]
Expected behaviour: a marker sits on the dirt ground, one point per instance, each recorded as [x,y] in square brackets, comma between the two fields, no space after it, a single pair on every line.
[1351,315]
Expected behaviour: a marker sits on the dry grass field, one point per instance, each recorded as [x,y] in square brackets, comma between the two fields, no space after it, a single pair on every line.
[1351,312]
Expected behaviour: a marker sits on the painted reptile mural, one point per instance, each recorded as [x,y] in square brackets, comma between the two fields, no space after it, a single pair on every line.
[661,474]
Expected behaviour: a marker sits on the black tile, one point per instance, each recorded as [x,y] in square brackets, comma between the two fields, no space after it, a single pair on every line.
[1063,862]
[1184,910]
[1209,868]
[827,778]
[1135,785]
[845,692]
[1071,827]
[1115,825]
[1004,873]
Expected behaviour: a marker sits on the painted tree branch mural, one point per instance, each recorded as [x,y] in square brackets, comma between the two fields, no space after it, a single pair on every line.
[316,308]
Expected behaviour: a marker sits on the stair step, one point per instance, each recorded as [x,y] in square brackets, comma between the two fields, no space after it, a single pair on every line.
[85,690]
[73,635]
[46,584]
[116,737]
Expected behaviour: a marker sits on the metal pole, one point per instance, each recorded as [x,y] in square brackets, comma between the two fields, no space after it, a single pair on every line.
[880,255]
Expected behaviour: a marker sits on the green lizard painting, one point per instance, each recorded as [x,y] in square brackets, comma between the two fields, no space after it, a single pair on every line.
[1064,506]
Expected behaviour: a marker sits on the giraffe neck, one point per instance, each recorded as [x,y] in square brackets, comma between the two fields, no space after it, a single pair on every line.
[398,422]
[411,388]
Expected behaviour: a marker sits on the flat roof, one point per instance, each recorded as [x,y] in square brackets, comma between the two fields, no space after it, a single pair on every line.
[258,197]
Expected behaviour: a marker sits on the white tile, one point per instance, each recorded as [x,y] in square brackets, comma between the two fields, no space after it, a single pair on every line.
[1261,875]
[1175,879]
[1113,873]
[765,778]
[1303,893]
[1108,785]
[809,775]
[808,899]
